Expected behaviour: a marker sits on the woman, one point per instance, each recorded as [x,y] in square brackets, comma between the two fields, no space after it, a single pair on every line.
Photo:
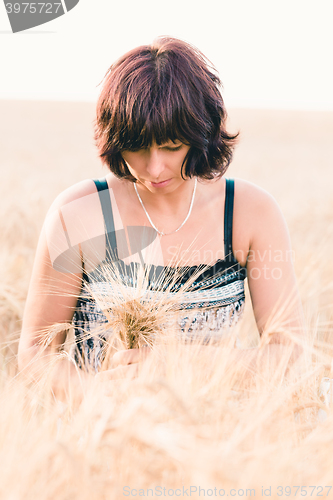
[161,130]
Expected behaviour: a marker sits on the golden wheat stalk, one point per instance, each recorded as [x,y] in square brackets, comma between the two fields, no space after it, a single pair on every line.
[135,323]
[143,312]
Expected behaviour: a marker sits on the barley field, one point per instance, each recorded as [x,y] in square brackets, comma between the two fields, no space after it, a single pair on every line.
[184,427]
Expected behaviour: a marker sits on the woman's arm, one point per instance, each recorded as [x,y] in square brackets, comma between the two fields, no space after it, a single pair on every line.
[51,300]
[271,277]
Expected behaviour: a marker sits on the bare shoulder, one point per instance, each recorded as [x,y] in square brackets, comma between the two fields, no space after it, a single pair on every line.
[73,193]
[257,216]
[84,188]
[252,196]
[253,203]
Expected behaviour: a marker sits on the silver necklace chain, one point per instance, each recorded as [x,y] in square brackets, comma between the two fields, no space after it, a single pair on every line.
[186,218]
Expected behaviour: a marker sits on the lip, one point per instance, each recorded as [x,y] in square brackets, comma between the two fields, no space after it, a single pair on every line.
[160,184]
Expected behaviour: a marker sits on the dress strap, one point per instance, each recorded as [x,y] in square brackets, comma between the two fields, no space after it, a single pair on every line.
[101,184]
[105,200]
[228,218]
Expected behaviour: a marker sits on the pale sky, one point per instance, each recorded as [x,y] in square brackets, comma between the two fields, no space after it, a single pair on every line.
[270,53]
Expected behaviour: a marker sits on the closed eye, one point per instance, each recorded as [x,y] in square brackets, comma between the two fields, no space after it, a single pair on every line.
[170,148]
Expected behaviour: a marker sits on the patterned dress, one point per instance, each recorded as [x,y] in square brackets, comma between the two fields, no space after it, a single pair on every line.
[211,298]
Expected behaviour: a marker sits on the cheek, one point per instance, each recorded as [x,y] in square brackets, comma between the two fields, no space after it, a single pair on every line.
[133,171]
[133,164]
[184,155]
[180,161]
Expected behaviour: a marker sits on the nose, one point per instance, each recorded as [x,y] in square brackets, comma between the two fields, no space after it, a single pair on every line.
[154,163]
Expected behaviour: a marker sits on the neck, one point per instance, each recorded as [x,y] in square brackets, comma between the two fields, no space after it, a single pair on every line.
[172,217]
[168,203]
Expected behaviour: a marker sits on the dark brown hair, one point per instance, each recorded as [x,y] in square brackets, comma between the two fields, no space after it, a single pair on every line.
[160,92]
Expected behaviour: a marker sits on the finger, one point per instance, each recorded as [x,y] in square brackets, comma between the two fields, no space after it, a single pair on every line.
[125,357]
[129,372]
[129,356]
[122,371]
[143,353]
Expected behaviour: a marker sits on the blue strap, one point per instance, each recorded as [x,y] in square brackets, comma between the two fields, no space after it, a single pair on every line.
[228,218]
[105,200]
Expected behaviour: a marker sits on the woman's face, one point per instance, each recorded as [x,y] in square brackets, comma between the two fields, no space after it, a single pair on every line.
[158,168]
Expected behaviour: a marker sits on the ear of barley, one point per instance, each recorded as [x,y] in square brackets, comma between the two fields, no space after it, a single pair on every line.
[144,313]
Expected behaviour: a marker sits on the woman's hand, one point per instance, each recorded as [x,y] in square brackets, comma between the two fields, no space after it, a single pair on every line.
[125,364]
[130,356]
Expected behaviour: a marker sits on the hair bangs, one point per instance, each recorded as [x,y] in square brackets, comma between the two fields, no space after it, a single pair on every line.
[154,116]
